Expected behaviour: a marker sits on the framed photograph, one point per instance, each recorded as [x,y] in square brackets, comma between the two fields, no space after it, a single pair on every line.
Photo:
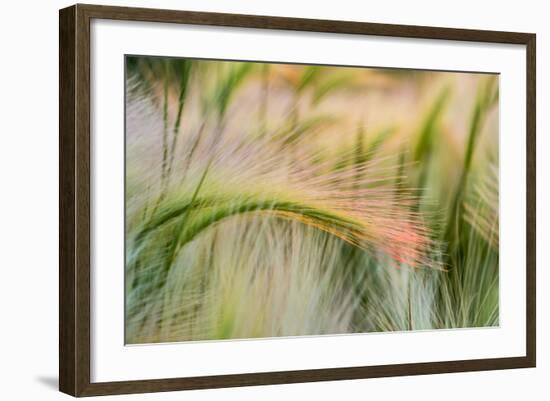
[250,200]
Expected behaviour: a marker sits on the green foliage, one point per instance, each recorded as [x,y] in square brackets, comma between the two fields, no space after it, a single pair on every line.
[330,85]
[429,128]
[310,74]
[229,84]
[341,241]
[454,235]
[183,68]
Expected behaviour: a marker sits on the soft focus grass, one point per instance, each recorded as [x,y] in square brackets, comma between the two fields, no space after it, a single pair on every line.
[284,200]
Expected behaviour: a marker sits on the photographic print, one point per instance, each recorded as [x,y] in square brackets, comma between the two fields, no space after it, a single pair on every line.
[273,200]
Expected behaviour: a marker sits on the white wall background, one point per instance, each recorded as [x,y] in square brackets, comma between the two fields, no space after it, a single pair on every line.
[28,198]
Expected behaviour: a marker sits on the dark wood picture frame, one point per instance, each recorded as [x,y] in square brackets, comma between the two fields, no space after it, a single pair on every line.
[74,199]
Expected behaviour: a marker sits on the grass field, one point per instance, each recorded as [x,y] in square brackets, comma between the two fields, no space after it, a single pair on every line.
[267,200]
